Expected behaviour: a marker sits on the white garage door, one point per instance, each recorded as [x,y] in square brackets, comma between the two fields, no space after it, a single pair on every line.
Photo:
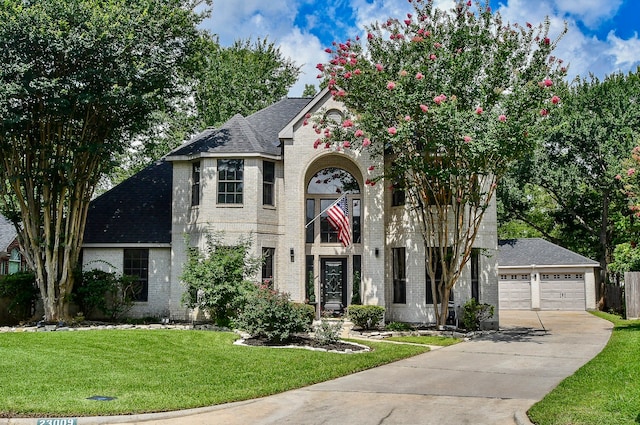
[562,291]
[514,292]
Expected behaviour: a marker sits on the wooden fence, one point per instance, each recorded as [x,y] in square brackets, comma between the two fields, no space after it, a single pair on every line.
[632,294]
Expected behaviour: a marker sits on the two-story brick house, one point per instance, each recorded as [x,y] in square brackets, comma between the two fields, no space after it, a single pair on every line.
[262,175]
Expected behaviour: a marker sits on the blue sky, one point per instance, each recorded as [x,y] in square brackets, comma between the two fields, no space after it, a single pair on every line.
[603,34]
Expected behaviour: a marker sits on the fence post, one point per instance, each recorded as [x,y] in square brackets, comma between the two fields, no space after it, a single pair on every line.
[632,294]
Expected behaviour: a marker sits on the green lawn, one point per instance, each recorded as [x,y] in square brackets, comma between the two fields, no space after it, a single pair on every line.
[605,391]
[53,373]
[426,339]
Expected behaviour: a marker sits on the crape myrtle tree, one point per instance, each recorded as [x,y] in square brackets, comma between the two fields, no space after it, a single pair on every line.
[450,99]
[78,79]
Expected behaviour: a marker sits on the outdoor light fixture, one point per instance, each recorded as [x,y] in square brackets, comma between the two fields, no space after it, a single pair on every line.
[291,253]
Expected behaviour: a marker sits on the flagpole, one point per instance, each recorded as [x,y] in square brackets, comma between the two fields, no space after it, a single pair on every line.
[324,210]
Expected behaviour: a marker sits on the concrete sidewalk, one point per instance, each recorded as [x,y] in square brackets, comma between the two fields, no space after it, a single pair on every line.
[489,380]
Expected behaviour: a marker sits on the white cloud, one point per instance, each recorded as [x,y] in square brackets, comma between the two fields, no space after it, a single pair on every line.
[306,51]
[625,52]
[233,20]
[584,54]
[591,12]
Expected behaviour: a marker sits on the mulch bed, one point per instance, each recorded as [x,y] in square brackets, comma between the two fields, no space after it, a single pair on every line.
[303,341]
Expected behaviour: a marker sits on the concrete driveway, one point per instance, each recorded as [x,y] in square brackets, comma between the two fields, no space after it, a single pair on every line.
[488,380]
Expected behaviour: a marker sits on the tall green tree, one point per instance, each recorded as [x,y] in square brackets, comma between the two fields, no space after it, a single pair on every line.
[575,167]
[78,79]
[240,79]
[450,99]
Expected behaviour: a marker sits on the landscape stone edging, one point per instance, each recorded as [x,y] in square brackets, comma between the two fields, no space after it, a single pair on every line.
[373,334]
[56,328]
[365,348]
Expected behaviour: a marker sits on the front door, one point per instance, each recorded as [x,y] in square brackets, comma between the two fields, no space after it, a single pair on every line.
[334,284]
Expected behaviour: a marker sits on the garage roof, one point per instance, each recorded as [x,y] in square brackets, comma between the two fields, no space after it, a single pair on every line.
[537,251]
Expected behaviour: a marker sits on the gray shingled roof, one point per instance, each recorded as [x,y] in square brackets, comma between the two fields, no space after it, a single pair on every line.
[257,133]
[235,136]
[138,210]
[536,251]
[7,233]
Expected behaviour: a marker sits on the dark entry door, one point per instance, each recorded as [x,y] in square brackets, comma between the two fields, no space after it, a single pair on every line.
[334,284]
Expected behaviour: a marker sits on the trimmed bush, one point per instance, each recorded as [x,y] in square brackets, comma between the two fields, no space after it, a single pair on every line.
[475,313]
[21,291]
[271,315]
[398,326]
[365,316]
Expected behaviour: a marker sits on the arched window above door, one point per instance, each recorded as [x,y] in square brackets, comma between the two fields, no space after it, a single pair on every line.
[332,180]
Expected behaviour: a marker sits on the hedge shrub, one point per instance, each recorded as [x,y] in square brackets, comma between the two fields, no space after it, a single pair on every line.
[21,291]
[271,315]
[365,316]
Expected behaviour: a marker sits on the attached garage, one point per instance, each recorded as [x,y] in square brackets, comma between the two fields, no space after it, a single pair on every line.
[536,274]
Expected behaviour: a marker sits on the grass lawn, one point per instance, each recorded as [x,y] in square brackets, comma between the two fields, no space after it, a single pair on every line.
[605,391]
[53,373]
[426,340]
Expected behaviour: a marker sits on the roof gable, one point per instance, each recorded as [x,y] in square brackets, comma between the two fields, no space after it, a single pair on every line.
[235,136]
[539,252]
[255,134]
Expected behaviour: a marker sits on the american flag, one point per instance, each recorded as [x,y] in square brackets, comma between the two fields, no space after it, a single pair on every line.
[338,216]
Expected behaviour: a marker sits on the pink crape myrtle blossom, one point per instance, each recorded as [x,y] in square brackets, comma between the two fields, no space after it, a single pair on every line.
[466,139]
[371,168]
[419,76]
[439,99]
[433,57]
[366,142]
[346,144]
[555,100]
[347,123]
[391,85]
[424,108]
[502,118]
[407,118]
[358,133]
[479,110]
[379,67]
[631,171]
[392,130]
